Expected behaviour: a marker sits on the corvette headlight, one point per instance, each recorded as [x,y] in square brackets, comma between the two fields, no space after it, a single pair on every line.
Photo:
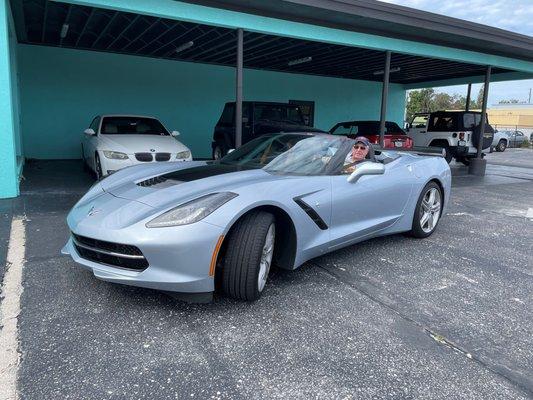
[115,155]
[183,154]
[192,211]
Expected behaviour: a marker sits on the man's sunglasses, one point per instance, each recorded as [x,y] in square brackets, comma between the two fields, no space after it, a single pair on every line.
[356,147]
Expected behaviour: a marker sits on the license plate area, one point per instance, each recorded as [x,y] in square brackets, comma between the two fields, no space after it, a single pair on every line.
[398,143]
[462,143]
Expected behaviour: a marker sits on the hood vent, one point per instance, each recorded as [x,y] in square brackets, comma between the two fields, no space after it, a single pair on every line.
[152,181]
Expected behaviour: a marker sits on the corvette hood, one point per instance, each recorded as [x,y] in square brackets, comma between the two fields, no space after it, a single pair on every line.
[181,185]
[130,144]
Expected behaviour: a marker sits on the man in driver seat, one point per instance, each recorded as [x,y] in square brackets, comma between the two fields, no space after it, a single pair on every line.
[357,155]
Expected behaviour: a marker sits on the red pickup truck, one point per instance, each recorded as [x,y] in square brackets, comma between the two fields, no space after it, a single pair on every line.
[395,137]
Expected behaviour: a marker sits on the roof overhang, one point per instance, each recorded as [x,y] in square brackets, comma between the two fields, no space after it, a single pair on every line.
[390,20]
[158,29]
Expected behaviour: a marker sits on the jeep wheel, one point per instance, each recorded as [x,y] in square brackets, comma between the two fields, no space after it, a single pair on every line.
[427,212]
[464,160]
[447,153]
[248,256]
[501,146]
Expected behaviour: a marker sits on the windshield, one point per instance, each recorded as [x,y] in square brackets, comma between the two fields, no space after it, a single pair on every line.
[293,154]
[280,113]
[366,128]
[132,126]
[420,121]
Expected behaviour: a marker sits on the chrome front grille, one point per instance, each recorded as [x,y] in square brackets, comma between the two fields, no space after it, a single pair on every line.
[144,157]
[113,254]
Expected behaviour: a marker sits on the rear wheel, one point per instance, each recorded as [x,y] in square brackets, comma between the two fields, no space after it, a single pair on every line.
[219,151]
[248,256]
[427,212]
[464,160]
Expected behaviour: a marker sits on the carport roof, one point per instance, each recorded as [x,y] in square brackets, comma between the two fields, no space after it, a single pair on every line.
[41,22]
[390,20]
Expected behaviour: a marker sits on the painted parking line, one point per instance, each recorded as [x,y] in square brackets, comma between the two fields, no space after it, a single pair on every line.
[9,311]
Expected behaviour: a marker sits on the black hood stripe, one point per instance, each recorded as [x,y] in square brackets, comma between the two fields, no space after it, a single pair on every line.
[192,174]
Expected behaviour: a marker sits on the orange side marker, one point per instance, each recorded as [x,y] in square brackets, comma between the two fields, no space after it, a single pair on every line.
[215,255]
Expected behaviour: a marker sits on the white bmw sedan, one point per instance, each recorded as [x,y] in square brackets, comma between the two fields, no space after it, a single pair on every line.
[113,142]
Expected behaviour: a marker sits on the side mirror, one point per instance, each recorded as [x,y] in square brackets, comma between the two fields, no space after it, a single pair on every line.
[366,168]
[407,125]
[89,132]
[175,133]
[231,151]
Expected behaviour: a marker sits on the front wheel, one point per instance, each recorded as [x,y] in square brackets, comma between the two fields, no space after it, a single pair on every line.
[448,154]
[98,167]
[501,146]
[248,256]
[428,211]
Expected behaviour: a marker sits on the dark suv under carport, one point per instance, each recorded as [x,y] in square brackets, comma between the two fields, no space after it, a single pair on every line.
[258,118]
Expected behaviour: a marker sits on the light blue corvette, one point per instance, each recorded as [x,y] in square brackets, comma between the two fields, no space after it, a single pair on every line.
[280,199]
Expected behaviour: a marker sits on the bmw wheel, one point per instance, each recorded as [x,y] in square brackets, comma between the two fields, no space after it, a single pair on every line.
[98,167]
[428,211]
[248,258]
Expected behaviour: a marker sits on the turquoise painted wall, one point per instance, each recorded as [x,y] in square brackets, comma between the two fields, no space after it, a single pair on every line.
[8,129]
[62,89]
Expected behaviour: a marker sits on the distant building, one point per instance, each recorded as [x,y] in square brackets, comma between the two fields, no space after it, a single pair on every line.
[512,116]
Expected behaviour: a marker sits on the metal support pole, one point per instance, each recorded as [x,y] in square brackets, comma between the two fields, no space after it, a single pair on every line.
[484,111]
[384,96]
[478,165]
[238,95]
[468,94]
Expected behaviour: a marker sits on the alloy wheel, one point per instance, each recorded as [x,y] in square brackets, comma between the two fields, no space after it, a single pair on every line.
[266,257]
[430,210]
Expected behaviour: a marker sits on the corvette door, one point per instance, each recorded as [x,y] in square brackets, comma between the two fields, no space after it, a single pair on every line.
[371,204]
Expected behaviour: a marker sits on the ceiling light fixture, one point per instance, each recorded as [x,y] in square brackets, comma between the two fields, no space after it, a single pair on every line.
[64,31]
[299,61]
[184,46]
[381,72]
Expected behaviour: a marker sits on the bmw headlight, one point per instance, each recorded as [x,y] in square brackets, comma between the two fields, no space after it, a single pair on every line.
[192,211]
[183,154]
[115,155]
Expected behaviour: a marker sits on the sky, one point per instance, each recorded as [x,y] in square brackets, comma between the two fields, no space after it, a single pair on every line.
[511,15]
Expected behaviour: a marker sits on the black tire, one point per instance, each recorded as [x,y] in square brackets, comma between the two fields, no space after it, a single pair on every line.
[97,167]
[219,151]
[502,145]
[464,160]
[448,154]
[417,230]
[241,264]
[85,166]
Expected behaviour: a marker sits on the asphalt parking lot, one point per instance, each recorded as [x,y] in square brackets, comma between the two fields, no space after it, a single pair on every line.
[450,316]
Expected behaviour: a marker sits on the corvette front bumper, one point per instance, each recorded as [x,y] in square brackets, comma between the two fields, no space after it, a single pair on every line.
[179,258]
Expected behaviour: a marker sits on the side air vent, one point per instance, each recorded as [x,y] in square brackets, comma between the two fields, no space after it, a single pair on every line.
[152,181]
[312,213]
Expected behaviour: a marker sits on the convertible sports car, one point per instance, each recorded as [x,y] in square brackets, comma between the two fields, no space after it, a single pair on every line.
[280,199]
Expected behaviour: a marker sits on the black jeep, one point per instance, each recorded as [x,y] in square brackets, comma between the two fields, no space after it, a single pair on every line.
[258,118]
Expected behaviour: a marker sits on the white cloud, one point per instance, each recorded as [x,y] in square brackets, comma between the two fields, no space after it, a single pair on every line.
[512,15]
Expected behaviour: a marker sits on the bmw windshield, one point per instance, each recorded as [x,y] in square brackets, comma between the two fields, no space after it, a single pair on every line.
[298,154]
